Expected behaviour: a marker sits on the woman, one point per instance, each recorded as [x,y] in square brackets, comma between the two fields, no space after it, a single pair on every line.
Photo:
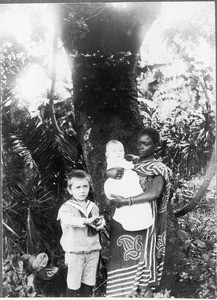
[137,257]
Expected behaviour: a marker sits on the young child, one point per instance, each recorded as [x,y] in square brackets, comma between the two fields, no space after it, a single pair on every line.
[134,217]
[80,222]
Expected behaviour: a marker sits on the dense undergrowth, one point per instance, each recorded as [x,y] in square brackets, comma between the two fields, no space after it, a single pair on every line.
[198,235]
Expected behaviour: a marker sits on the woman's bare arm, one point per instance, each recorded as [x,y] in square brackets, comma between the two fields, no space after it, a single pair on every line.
[115,173]
[147,196]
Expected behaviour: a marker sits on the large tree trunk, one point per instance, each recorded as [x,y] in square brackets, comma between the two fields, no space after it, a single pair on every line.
[103,44]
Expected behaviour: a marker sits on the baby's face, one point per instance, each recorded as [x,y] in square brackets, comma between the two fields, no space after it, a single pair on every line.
[115,152]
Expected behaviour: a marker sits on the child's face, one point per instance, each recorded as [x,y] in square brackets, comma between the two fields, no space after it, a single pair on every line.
[79,188]
[115,151]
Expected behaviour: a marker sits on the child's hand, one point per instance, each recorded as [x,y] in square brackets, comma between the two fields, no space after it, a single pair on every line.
[89,221]
[99,223]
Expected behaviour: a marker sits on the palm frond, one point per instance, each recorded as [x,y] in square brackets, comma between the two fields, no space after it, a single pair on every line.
[35,162]
[10,229]
[33,145]
[34,239]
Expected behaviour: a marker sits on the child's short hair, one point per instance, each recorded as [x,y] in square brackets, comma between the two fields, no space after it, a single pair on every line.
[79,174]
[113,142]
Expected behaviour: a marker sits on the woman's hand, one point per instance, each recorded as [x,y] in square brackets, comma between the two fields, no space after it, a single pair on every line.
[118,201]
[115,173]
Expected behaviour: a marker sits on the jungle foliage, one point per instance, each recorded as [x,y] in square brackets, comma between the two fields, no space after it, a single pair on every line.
[36,160]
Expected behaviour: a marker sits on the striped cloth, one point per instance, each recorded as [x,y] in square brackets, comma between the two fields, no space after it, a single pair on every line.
[137,257]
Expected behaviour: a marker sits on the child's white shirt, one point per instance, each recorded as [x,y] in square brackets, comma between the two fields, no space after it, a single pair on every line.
[74,233]
[134,217]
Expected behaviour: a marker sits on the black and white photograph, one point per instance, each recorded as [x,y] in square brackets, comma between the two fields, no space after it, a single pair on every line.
[108,149]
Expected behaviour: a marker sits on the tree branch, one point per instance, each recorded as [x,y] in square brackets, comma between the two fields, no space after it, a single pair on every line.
[202,190]
[53,84]
[98,13]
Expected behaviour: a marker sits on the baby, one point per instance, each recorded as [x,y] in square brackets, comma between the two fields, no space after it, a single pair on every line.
[137,216]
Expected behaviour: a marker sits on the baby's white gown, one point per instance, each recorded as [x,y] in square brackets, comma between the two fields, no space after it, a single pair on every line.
[134,217]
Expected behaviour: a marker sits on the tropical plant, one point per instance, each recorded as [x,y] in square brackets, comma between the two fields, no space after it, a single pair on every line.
[185,36]
[13,59]
[198,236]
[188,135]
[187,141]
[19,273]
[36,161]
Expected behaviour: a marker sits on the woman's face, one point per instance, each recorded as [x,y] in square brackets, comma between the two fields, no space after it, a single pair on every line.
[146,147]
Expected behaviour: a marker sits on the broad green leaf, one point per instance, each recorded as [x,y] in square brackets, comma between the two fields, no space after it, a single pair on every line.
[47,273]
[40,262]
[200,244]
[183,234]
